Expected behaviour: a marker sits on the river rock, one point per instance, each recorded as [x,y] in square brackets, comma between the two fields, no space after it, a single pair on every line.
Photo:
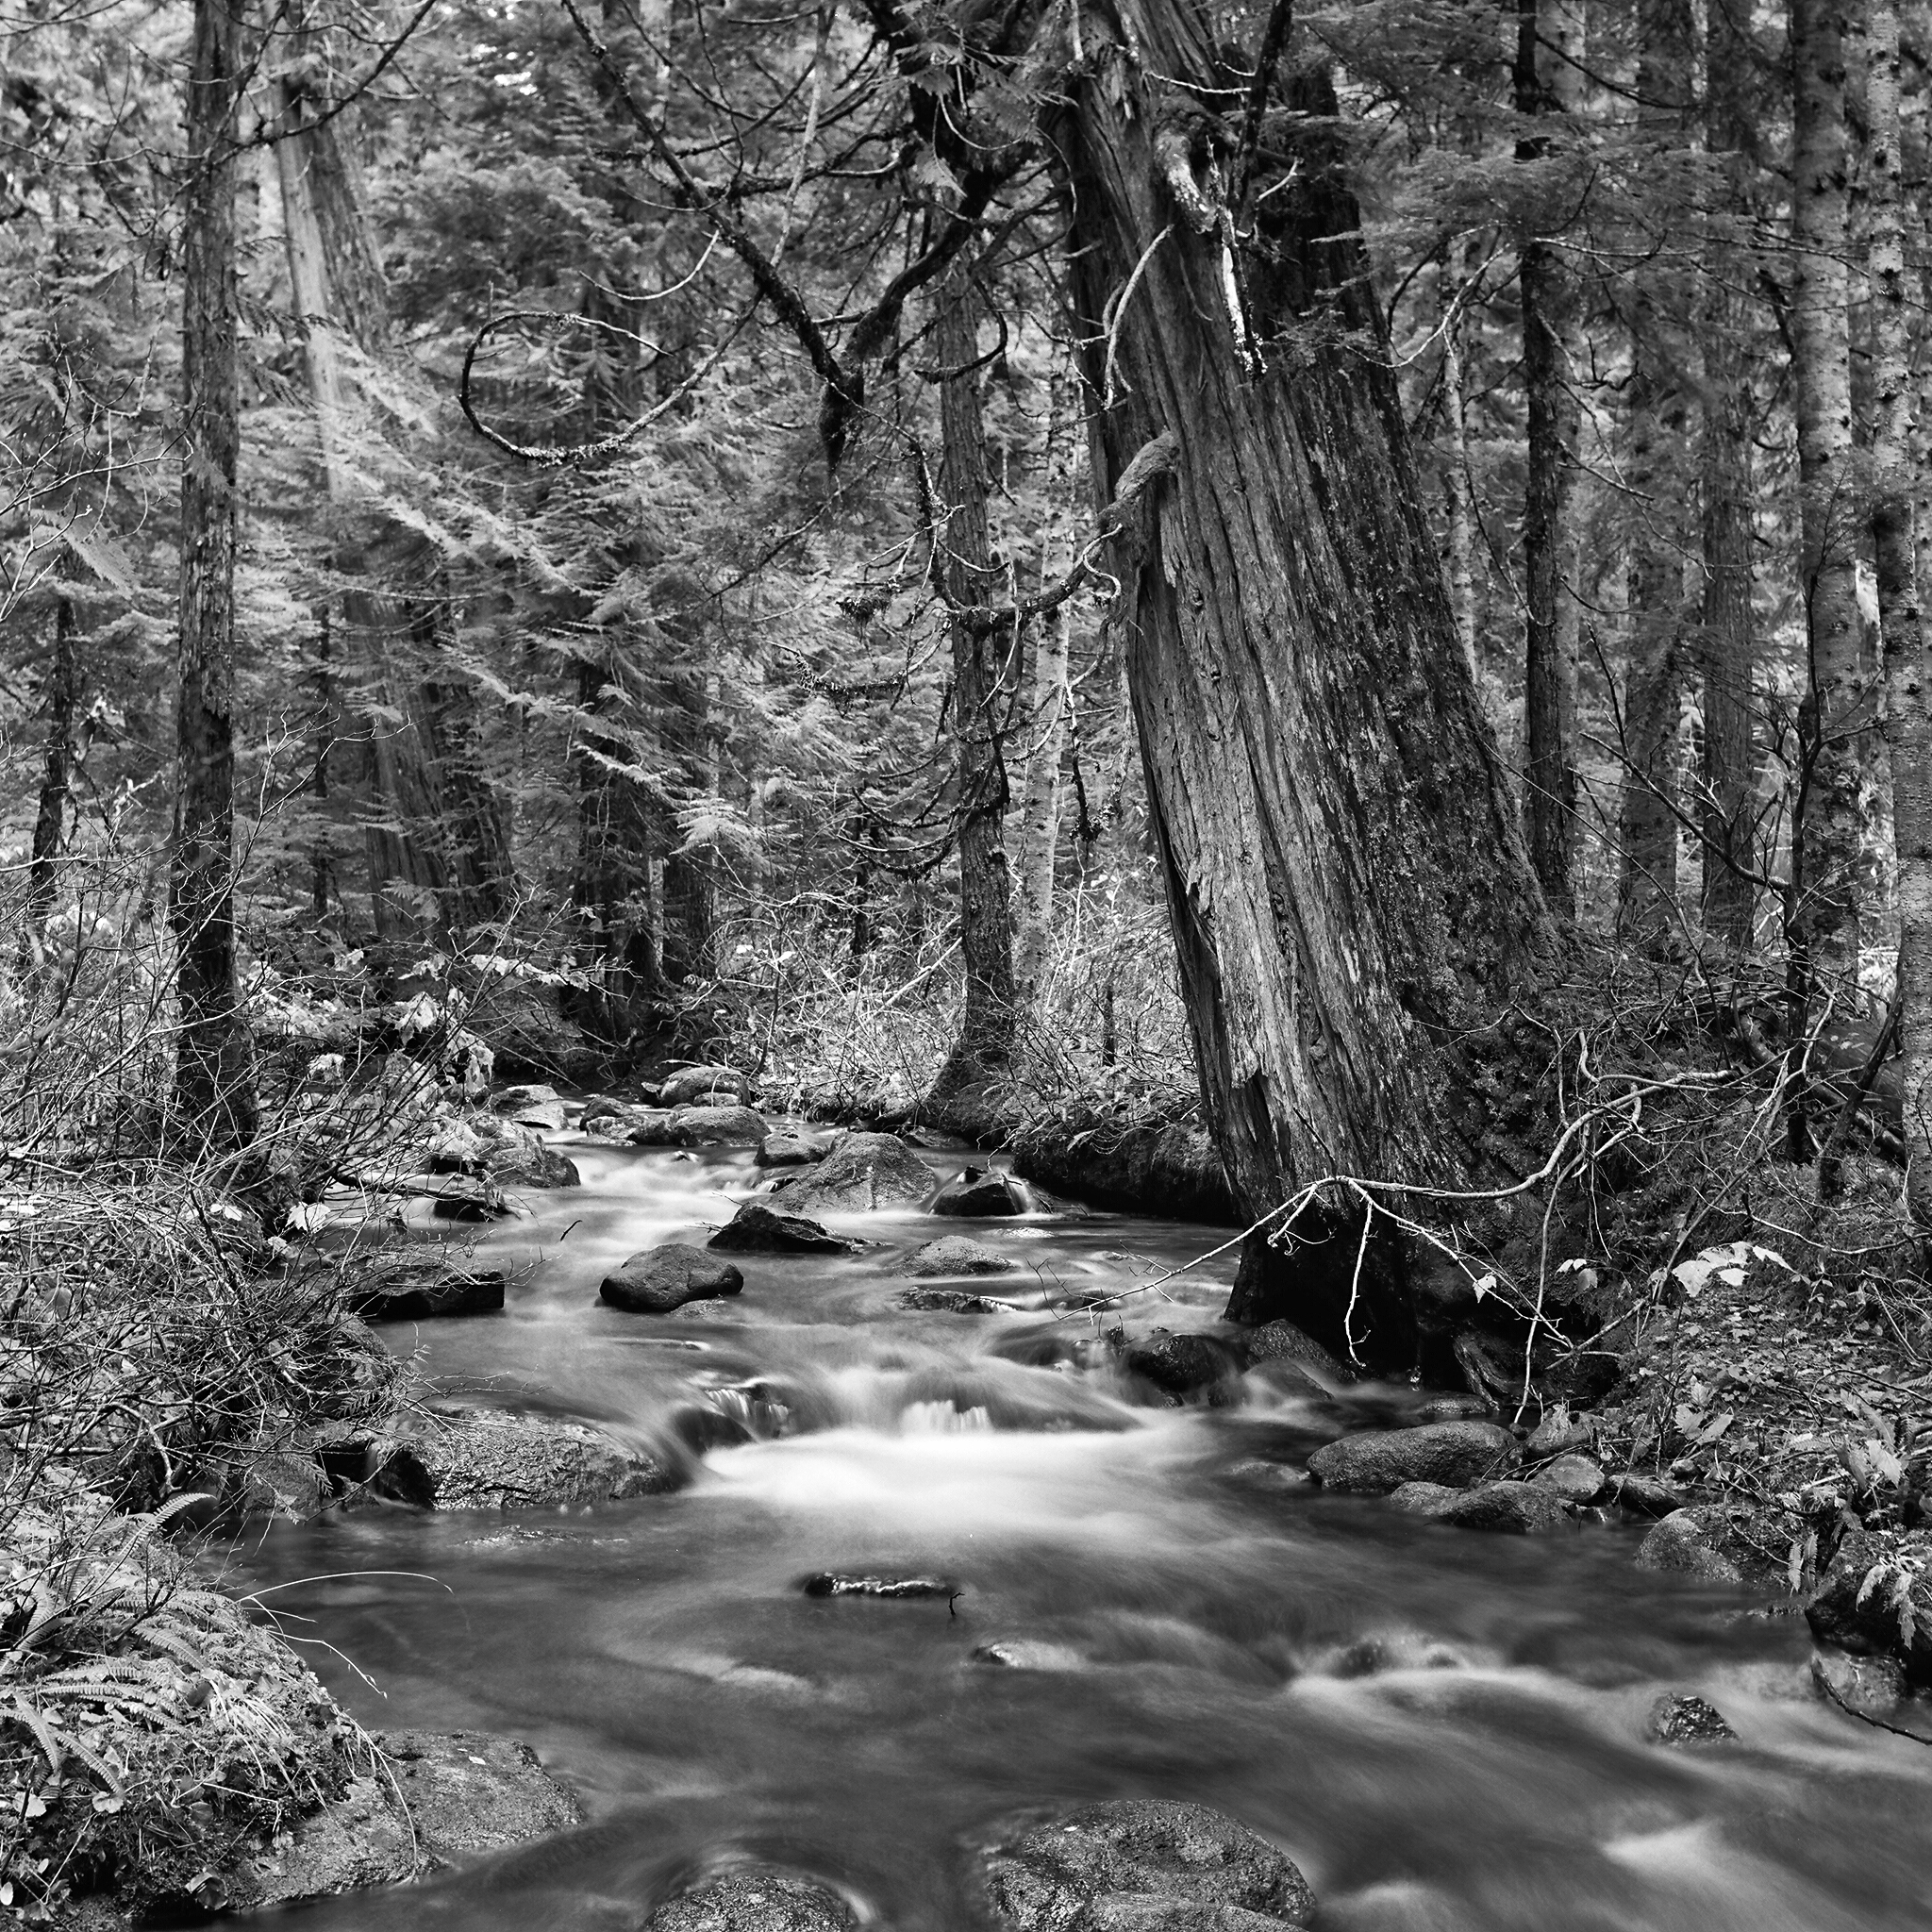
[461,1197]
[1423,1499]
[714,1127]
[471,1792]
[1644,1495]
[1868,1686]
[1389,1650]
[518,1157]
[1454,1408]
[514,1102]
[415,1287]
[660,1279]
[1560,1433]
[1576,1478]
[757,1228]
[1181,1364]
[1275,1341]
[1679,1718]
[1876,1599]
[891,1589]
[765,1899]
[1705,1539]
[863,1172]
[1455,1453]
[1143,1865]
[951,1301]
[460,1456]
[956,1253]
[713,1086]
[981,1192]
[1512,1508]
[793,1148]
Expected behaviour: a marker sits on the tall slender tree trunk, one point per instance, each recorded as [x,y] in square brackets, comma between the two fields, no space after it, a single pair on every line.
[1544,83]
[1829,834]
[983,1049]
[1460,511]
[214,1072]
[57,774]
[1896,544]
[1045,720]
[1727,649]
[1659,434]
[1346,880]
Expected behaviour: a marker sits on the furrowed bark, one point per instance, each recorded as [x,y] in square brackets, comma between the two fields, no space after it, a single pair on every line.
[1345,875]
[1039,807]
[1894,537]
[214,1071]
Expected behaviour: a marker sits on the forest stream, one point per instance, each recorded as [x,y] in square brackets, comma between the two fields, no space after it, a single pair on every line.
[1446,1730]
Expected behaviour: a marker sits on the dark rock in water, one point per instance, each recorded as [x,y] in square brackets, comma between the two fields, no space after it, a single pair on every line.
[712,1127]
[758,1229]
[1423,1499]
[417,1287]
[951,1301]
[863,1172]
[794,1149]
[1455,1408]
[600,1107]
[1455,1453]
[1876,1599]
[1869,1686]
[1514,1509]
[649,1126]
[1143,1865]
[1705,1541]
[981,1192]
[469,1791]
[1389,1650]
[459,1198]
[1283,1342]
[1677,1719]
[893,1589]
[713,1085]
[460,1456]
[1644,1495]
[956,1253]
[660,1279]
[762,1900]
[1576,1478]
[1181,1364]
[1150,1166]
[518,1157]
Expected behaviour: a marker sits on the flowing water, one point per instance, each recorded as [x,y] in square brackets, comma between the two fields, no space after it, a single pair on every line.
[1445,1729]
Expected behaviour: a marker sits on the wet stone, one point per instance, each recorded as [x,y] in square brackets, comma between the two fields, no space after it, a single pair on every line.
[981,1192]
[1423,1499]
[758,1229]
[1681,1718]
[1455,1453]
[1693,1541]
[1576,1478]
[764,1899]
[1454,1408]
[1182,1365]
[1283,1342]
[1143,1865]
[1866,1686]
[864,1173]
[794,1149]
[1644,1495]
[956,1253]
[418,1287]
[1511,1508]
[713,1085]
[469,1791]
[661,1279]
[888,1588]
[951,1301]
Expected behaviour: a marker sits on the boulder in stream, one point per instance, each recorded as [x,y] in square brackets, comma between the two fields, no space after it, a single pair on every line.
[1513,1509]
[863,1172]
[713,1085]
[1678,1718]
[1706,1540]
[417,1285]
[458,1456]
[794,1147]
[657,1280]
[951,1301]
[1275,1341]
[473,1791]
[1453,1454]
[765,1899]
[712,1127]
[1143,1865]
[981,1192]
[1182,1365]
[1644,1495]
[1576,1478]
[758,1229]
[888,1588]
[1876,1599]
[956,1253]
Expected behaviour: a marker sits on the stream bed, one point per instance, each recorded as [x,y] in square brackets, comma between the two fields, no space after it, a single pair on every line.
[1445,1729]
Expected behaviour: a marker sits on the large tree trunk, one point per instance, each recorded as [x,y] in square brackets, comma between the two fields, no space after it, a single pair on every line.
[983,1049]
[1829,833]
[1895,534]
[1459,511]
[1543,84]
[214,1071]
[437,841]
[1347,884]
[1728,648]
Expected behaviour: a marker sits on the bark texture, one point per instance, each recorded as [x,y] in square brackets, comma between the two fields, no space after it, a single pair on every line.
[1728,647]
[215,1075]
[1543,80]
[57,774]
[1894,536]
[1044,725]
[1345,877]
[1830,832]
[985,1047]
